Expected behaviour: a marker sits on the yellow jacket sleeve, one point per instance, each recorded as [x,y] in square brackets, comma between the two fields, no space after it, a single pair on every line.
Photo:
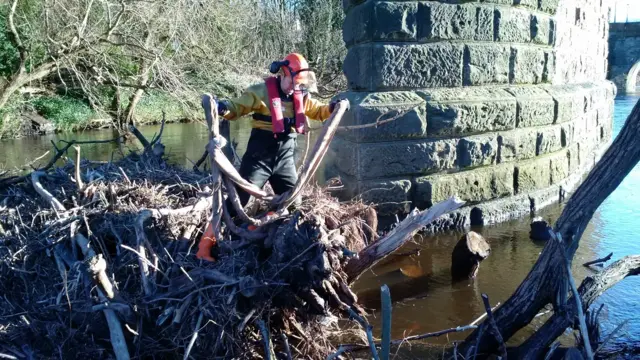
[248,102]
[315,110]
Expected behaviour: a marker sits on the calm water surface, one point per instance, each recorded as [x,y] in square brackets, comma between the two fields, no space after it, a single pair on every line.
[425,300]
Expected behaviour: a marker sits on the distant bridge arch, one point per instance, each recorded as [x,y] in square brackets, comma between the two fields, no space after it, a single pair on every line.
[624,55]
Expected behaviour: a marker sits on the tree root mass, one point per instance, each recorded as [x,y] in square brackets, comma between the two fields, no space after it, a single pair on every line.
[60,299]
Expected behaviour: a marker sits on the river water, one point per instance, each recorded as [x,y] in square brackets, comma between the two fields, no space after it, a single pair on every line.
[425,300]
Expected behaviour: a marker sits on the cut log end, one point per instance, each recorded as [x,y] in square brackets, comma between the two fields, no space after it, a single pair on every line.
[470,250]
[540,230]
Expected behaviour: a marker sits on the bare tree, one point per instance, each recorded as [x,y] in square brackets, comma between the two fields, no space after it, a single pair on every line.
[116,51]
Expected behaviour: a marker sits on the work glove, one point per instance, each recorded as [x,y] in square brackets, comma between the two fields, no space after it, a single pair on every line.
[332,105]
[222,107]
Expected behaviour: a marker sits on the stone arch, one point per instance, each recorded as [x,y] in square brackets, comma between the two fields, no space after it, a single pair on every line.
[632,78]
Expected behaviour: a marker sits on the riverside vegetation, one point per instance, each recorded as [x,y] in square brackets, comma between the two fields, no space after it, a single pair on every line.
[101,63]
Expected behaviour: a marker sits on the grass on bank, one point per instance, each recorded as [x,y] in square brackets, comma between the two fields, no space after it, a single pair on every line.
[72,114]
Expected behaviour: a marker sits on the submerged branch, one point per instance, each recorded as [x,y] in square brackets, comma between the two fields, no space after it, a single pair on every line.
[598,261]
[378,250]
[590,289]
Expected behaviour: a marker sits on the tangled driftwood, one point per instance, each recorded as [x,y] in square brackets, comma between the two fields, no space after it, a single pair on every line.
[98,260]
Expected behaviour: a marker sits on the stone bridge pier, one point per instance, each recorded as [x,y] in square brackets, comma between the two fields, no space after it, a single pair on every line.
[503,103]
[624,56]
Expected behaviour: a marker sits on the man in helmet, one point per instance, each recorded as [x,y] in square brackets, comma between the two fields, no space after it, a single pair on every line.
[279,106]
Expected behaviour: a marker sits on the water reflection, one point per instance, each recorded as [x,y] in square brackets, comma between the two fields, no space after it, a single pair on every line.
[184,144]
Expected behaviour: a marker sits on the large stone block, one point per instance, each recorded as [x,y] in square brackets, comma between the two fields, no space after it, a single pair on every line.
[368,108]
[549,6]
[486,64]
[591,118]
[549,140]
[568,133]
[399,158]
[527,65]
[549,72]
[357,67]
[478,150]
[563,98]
[541,29]
[484,20]
[468,110]
[528,3]
[588,145]
[559,164]
[391,196]
[395,21]
[512,25]
[358,24]
[472,186]
[573,153]
[343,155]
[579,128]
[532,175]
[454,22]
[535,106]
[517,145]
[377,66]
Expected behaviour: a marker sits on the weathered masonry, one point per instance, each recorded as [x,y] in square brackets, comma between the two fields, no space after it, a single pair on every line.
[501,102]
[624,55]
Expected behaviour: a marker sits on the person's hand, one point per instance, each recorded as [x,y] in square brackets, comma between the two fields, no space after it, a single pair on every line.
[332,104]
[222,107]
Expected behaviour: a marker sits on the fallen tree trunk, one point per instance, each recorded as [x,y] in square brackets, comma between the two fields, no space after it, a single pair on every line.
[546,278]
[590,289]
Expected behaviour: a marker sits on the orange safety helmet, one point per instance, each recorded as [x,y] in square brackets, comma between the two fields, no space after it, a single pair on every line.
[294,65]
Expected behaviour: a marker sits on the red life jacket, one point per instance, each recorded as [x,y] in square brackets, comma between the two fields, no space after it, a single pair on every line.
[275,106]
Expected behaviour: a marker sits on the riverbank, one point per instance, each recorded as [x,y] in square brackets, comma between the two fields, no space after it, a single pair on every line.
[48,110]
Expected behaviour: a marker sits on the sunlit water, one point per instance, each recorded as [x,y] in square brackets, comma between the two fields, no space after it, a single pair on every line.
[425,300]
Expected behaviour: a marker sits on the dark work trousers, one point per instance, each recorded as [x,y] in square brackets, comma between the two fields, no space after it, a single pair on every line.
[268,159]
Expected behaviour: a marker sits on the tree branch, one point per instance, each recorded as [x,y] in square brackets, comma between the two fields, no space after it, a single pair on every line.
[590,289]
[378,250]
[598,261]
[15,38]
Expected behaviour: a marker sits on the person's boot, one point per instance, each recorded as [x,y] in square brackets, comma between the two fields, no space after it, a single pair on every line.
[207,242]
